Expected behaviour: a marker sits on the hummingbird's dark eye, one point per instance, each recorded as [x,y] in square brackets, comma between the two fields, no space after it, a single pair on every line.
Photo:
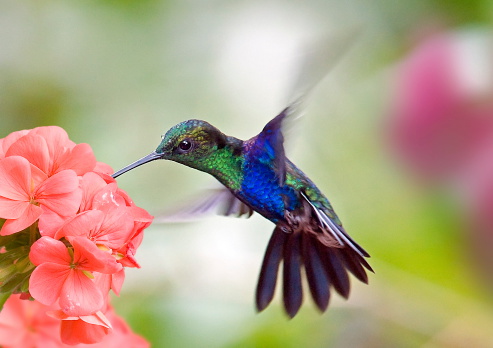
[185,145]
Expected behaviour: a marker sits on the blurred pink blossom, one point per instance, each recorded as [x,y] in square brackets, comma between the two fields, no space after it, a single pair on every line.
[442,117]
[442,126]
[32,324]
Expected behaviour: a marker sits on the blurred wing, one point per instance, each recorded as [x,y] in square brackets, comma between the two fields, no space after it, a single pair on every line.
[269,144]
[317,60]
[218,201]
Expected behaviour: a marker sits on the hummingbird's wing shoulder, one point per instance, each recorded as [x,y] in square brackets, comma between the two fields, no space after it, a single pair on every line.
[268,146]
[217,201]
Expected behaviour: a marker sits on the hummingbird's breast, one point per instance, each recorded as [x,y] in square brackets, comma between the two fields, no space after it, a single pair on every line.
[261,190]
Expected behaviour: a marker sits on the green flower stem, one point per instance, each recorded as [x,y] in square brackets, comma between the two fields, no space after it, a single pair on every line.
[33,233]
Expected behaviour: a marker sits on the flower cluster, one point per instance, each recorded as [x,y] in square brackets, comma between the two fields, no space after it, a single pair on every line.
[67,230]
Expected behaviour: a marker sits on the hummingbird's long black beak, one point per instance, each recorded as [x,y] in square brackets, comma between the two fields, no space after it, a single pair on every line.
[150,157]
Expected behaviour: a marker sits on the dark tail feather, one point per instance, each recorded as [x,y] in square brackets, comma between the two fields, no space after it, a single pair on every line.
[354,264]
[318,281]
[270,266]
[292,288]
[335,270]
[324,267]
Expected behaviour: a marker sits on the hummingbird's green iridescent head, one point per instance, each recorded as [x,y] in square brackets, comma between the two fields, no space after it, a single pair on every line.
[190,142]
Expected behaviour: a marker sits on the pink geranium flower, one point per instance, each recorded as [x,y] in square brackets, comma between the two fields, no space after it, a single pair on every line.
[32,324]
[50,149]
[65,275]
[441,115]
[26,193]
[111,229]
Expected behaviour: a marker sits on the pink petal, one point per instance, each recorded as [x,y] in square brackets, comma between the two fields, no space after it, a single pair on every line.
[57,142]
[56,137]
[47,281]
[97,318]
[142,220]
[79,295]
[126,197]
[103,282]
[60,193]
[31,213]
[47,249]
[81,225]
[50,222]
[80,331]
[25,324]
[140,215]
[107,282]
[33,148]
[37,176]
[80,159]
[108,197]
[106,177]
[117,281]
[6,142]
[129,251]
[90,184]
[138,236]
[89,257]
[12,319]
[10,209]
[103,168]
[15,176]
[66,204]
[63,182]
[116,228]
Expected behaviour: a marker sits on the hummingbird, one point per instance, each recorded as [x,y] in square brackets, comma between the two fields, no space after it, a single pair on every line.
[256,176]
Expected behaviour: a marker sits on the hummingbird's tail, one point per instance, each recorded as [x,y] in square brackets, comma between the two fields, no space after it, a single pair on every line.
[324,266]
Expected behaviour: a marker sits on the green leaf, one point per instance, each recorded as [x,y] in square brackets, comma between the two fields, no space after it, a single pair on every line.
[3,298]
[14,283]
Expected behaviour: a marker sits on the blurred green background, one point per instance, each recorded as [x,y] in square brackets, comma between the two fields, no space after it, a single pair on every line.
[117,74]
